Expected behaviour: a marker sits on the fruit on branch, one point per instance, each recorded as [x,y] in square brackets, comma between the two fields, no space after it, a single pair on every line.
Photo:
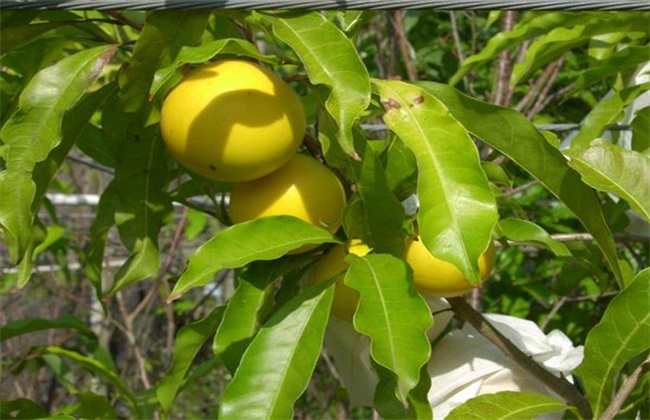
[232,120]
[333,264]
[303,188]
[431,276]
[435,277]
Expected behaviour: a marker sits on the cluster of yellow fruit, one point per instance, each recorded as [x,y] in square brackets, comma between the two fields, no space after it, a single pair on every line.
[238,122]
[431,276]
[235,121]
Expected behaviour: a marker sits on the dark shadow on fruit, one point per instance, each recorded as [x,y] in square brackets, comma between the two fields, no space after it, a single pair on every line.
[246,108]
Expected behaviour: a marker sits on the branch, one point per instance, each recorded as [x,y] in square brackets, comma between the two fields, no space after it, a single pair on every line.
[625,391]
[540,103]
[403,44]
[502,91]
[559,385]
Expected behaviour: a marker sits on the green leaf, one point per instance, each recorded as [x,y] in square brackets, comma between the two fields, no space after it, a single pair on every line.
[641,131]
[621,61]
[622,333]
[389,407]
[617,170]
[143,206]
[559,40]
[204,53]
[276,367]
[35,129]
[400,168]
[61,371]
[241,319]
[74,125]
[163,35]
[330,58]
[189,340]
[24,326]
[513,135]
[32,132]
[539,24]
[99,369]
[378,216]
[507,405]
[95,145]
[266,238]
[528,232]
[16,218]
[94,406]
[393,315]
[103,222]
[457,209]
[607,112]
[496,174]
[21,408]
[15,36]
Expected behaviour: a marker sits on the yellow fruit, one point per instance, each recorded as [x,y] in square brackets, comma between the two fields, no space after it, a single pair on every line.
[435,277]
[333,264]
[232,121]
[303,188]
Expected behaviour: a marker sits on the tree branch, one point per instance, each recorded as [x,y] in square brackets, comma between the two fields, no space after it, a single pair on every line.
[403,44]
[559,385]
[625,391]
[504,66]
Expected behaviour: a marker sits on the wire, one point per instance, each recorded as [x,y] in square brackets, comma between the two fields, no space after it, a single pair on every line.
[330,4]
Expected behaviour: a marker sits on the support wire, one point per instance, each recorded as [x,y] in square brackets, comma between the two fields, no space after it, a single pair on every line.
[329,4]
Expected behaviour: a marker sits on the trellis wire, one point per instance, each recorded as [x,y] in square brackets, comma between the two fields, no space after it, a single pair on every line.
[329,4]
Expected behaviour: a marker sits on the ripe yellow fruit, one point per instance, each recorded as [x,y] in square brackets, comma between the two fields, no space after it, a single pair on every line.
[303,188]
[332,264]
[232,121]
[435,277]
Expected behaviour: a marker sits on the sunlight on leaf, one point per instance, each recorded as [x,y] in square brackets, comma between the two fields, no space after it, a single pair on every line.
[189,340]
[204,53]
[457,209]
[164,33]
[393,315]
[264,239]
[516,137]
[622,333]
[507,405]
[330,58]
[528,232]
[611,168]
[31,133]
[280,360]
[606,112]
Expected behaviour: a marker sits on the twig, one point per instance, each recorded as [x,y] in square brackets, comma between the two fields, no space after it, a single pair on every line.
[540,103]
[458,45]
[521,188]
[555,309]
[624,391]
[403,44]
[559,385]
[380,58]
[123,19]
[504,66]
[535,88]
[92,164]
[582,237]
[454,33]
[169,309]
[128,331]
